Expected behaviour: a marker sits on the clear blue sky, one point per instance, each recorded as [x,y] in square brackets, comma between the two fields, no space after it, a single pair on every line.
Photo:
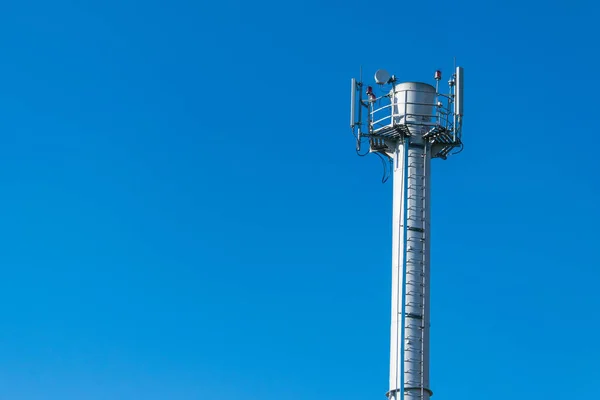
[183,215]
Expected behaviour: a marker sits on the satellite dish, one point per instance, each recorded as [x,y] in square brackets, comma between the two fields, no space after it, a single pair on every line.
[382,76]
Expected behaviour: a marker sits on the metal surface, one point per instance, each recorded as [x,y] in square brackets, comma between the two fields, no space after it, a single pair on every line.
[413,106]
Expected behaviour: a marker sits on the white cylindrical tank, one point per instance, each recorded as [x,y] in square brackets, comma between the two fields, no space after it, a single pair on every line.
[413,105]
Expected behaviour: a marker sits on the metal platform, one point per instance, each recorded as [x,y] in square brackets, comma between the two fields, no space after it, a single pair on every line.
[442,140]
[391,132]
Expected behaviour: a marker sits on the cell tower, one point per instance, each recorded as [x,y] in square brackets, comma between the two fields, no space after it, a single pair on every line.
[411,123]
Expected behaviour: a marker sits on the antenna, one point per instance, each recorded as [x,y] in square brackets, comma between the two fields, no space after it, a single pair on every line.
[382,77]
[354,122]
[458,99]
[352,102]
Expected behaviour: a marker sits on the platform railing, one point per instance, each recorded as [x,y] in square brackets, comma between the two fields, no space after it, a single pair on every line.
[394,113]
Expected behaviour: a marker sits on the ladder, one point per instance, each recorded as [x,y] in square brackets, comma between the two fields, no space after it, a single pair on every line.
[415,364]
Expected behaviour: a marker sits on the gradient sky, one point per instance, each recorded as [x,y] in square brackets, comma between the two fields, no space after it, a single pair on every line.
[183,215]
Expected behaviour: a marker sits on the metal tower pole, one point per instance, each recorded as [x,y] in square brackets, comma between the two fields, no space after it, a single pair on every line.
[409,346]
[409,339]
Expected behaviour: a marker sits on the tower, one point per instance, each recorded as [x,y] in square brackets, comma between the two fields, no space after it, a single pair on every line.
[409,125]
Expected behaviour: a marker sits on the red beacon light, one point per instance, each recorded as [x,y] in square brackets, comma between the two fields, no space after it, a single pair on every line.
[438,75]
[370,93]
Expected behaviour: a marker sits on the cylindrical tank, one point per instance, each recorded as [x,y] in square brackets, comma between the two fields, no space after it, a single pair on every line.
[413,105]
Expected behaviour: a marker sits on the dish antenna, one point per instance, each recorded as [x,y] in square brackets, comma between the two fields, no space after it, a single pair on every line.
[382,77]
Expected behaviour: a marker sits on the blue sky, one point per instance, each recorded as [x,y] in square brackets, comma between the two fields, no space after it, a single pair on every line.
[183,215]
